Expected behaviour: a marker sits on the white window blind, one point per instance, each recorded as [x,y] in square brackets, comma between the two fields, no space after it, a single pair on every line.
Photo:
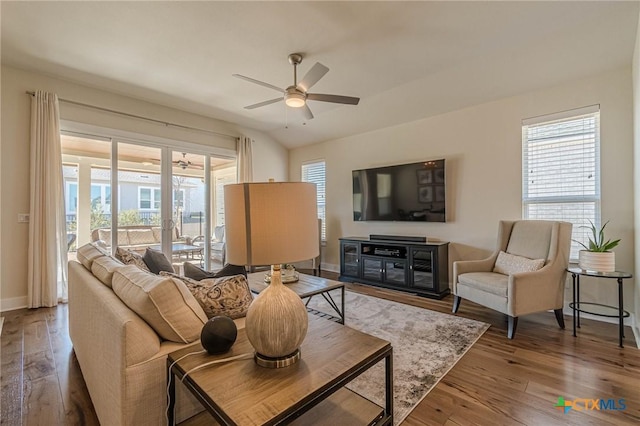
[561,170]
[315,173]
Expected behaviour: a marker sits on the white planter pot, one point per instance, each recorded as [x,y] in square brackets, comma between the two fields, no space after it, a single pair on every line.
[597,261]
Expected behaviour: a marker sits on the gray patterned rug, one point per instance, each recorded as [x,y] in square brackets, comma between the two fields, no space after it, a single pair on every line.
[426,345]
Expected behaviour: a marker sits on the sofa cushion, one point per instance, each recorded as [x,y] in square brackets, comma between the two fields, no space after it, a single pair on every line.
[104,267]
[157,261]
[196,273]
[490,282]
[509,264]
[164,303]
[129,257]
[105,235]
[88,253]
[140,236]
[228,296]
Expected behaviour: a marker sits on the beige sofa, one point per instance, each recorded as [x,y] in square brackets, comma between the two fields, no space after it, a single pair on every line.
[133,237]
[123,360]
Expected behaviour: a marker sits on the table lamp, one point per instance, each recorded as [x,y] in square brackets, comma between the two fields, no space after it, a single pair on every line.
[271,224]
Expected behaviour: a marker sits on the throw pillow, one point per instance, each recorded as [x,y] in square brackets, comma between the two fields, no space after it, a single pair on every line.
[129,257]
[186,280]
[196,273]
[509,264]
[163,302]
[157,261]
[228,296]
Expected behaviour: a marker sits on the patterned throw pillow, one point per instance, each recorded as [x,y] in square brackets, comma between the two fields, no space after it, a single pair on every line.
[228,296]
[129,257]
[509,264]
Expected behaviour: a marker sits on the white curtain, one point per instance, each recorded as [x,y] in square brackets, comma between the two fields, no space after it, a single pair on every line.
[47,277]
[245,162]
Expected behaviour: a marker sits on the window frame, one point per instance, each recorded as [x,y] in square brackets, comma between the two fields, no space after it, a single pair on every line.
[321,196]
[590,198]
[154,204]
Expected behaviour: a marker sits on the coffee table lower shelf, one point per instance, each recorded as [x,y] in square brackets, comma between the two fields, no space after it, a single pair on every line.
[344,407]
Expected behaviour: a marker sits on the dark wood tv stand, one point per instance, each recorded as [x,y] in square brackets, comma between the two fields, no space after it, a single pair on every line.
[416,267]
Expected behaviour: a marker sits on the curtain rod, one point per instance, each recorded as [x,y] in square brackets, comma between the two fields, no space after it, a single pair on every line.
[141,117]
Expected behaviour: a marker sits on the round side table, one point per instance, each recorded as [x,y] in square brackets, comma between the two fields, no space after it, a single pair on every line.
[598,308]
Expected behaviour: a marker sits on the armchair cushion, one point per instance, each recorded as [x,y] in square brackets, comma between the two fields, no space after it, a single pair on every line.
[490,282]
[512,264]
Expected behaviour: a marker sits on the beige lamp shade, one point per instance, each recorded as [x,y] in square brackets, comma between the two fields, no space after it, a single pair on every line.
[271,222]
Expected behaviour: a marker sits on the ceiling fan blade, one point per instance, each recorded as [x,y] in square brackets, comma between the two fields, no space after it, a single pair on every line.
[307,112]
[313,76]
[261,104]
[336,99]
[261,83]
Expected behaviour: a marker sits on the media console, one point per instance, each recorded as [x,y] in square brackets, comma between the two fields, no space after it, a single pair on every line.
[400,263]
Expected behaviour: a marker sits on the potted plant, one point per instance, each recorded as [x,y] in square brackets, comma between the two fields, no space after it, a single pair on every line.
[597,256]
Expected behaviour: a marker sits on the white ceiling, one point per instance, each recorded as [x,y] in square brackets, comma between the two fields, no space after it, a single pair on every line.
[405,60]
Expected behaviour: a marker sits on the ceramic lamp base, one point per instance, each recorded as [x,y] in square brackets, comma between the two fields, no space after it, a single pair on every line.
[279,362]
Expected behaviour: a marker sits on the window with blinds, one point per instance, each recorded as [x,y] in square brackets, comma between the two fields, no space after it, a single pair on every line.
[561,170]
[315,173]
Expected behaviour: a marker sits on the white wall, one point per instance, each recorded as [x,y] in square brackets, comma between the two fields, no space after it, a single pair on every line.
[482,148]
[14,163]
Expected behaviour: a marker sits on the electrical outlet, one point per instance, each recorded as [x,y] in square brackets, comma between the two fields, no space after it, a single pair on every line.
[23,217]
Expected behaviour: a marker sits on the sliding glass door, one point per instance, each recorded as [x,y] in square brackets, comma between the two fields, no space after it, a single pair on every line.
[160,197]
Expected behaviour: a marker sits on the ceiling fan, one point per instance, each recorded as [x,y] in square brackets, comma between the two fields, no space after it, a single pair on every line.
[297,95]
[183,163]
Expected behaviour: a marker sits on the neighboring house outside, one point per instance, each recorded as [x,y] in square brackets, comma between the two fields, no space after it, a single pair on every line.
[139,198]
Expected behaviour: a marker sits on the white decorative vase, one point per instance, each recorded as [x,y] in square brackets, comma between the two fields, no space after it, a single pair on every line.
[597,261]
[276,324]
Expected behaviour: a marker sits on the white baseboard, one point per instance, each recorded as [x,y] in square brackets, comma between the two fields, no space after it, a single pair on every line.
[330,267]
[630,321]
[13,303]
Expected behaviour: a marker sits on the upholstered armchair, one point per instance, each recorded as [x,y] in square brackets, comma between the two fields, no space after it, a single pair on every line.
[527,277]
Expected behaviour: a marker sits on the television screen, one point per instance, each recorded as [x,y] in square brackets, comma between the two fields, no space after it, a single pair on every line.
[407,192]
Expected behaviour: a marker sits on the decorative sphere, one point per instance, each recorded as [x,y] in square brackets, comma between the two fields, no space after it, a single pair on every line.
[218,335]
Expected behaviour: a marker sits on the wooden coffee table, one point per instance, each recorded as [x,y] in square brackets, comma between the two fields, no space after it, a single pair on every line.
[310,391]
[306,287]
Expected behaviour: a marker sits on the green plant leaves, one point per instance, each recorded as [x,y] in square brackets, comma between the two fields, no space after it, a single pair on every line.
[597,242]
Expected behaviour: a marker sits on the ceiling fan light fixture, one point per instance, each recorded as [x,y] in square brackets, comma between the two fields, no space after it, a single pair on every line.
[294,98]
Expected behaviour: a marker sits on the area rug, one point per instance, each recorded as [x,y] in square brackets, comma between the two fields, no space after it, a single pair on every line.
[426,345]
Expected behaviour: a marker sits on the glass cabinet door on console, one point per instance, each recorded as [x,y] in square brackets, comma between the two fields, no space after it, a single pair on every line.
[350,255]
[372,268]
[395,271]
[422,268]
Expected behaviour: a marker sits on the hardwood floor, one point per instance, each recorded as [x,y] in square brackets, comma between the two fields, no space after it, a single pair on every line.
[498,381]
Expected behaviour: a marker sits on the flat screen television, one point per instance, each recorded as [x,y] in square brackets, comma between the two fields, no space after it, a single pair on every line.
[413,192]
